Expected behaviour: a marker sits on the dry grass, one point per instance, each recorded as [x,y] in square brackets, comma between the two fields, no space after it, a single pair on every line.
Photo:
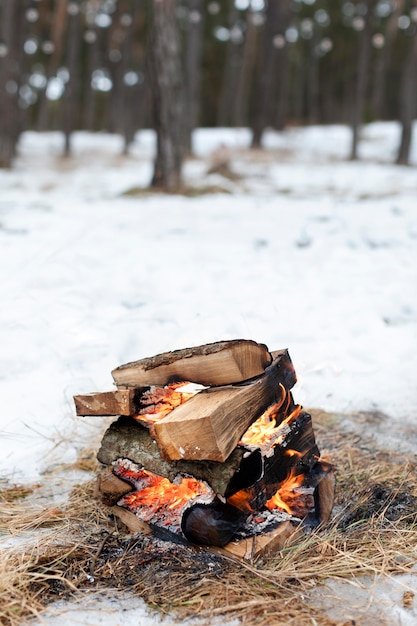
[373,531]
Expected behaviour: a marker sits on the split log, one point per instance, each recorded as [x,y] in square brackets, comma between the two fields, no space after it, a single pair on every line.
[129,519]
[211,423]
[220,363]
[126,438]
[299,438]
[264,545]
[117,402]
[324,497]
[109,488]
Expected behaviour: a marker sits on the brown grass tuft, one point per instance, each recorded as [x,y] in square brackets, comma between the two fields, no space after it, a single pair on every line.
[79,547]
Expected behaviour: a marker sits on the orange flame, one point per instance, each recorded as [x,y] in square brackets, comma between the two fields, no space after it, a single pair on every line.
[265,432]
[159,499]
[157,402]
[292,496]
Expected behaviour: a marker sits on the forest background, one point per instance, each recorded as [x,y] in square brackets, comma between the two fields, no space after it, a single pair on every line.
[124,65]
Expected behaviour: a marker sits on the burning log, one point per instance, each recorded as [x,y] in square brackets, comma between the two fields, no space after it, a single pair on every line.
[199,429]
[209,466]
[221,363]
[110,488]
[128,439]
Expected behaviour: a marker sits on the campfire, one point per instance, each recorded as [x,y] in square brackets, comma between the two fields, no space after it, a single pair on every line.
[210,448]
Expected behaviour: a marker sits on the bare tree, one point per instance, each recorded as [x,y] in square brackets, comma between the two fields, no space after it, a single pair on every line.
[266,75]
[383,60]
[194,42]
[365,45]
[232,60]
[12,34]
[165,73]
[73,61]
[57,37]
[245,79]
[408,99]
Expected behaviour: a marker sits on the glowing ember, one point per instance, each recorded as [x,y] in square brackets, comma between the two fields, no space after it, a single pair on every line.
[266,432]
[157,402]
[292,496]
[157,499]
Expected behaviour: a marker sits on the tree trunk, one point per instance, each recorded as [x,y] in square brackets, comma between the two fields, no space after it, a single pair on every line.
[265,70]
[165,73]
[246,71]
[408,98]
[13,31]
[283,67]
[58,26]
[232,63]
[380,74]
[364,55]
[193,68]
[72,86]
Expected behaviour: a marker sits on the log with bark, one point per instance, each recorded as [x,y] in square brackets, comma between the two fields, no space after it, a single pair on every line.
[220,363]
[118,402]
[128,439]
[212,422]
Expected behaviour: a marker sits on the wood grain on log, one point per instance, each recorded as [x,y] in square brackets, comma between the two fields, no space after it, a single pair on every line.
[117,402]
[109,488]
[220,363]
[210,424]
[264,545]
[125,438]
[324,497]
[129,519]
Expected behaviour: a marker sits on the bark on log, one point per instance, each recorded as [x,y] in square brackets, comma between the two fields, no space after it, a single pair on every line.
[120,402]
[210,424]
[220,363]
[127,439]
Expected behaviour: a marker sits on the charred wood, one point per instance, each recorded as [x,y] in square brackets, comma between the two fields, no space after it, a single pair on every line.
[211,423]
[126,438]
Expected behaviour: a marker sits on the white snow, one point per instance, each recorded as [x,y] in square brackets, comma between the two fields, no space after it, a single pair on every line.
[309,251]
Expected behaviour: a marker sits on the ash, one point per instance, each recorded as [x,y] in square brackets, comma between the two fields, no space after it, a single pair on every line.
[264,522]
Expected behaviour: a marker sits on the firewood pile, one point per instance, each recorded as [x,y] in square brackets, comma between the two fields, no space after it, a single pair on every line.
[210,448]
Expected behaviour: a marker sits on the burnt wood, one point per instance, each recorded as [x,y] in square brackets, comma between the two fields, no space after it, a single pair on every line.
[300,438]
[126,438]
[210,424]
[219,363]
[109,488]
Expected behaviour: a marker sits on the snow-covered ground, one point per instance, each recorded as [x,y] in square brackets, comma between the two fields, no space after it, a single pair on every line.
[306,251]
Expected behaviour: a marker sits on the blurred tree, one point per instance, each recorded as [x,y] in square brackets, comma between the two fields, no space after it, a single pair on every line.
[69,64]
[56,25]
[247,67]
[193,50]
[408,95]
[13,27]
[384,42]
[231,62]
[72,86]
[364,25]
[265,73]
[166,77]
